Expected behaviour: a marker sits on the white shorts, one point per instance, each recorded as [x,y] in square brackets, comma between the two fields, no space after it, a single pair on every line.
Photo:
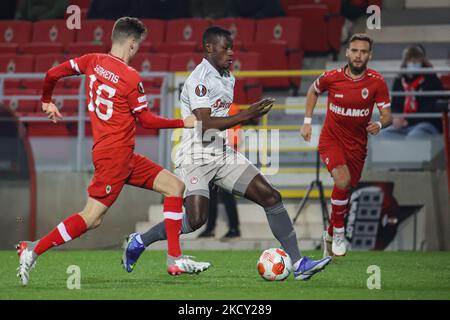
[233,174]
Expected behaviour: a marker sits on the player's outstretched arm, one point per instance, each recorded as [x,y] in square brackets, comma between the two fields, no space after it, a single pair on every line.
[256,110]
[311,100]
[149,120]
[51,78]
[385,121]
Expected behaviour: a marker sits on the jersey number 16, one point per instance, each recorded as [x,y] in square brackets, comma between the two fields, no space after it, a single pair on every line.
[97,100]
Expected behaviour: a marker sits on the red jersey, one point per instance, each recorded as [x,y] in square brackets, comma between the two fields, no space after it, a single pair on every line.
[114,92]
[350,106]
[115,96]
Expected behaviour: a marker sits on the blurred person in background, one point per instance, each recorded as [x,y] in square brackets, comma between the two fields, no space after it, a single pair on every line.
[108,9]
[254,9]
[35,10]
[414,58]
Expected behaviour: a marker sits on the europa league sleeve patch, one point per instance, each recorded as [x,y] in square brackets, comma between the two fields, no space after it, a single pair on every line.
[140,88]
[200,90]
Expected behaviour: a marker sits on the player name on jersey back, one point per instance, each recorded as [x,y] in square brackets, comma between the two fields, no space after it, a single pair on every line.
[111,76]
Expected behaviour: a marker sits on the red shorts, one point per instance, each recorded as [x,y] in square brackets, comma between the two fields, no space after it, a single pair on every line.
[116,167]
[333,155]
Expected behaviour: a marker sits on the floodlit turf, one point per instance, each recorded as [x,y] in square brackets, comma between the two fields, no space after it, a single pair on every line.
[404,275]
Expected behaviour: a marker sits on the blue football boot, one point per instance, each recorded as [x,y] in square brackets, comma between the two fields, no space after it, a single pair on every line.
[132,251]
[308,267]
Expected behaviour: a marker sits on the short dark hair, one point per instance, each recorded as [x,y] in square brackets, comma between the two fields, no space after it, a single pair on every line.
[362,37]
[127,27]
[214,32]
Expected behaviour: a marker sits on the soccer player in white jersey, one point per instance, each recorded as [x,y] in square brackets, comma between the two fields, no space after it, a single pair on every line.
[204,156]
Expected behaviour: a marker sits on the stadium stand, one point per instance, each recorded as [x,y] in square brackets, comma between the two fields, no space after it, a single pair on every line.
[314,34]
[96,32]
[242,30]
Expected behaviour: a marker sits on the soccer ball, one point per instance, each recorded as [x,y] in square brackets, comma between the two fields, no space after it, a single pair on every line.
[274,264]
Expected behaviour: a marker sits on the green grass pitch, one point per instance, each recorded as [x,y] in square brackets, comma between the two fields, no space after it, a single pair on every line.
[404,275]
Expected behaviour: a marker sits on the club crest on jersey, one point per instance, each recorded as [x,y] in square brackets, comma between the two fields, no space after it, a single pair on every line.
[108,189]
[200,90]
[194,180]
[140,87]
[365,93]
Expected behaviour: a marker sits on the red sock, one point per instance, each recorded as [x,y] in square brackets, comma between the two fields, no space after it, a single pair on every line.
[339,205]
[173,215]
[71,228]
[330,226]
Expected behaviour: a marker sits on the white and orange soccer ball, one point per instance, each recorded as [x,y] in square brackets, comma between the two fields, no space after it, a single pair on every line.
[274,264]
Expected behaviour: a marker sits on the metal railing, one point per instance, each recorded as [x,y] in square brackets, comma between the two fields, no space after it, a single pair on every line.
[169,104]
[81,118]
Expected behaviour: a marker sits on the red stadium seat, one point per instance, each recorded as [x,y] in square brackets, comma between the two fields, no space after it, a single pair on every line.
[72,82]
[246,90]
[67,107]
[21,106]
[42,47]
[12,84]
[156,31]
[273,57]
[16,63]
[155,62]
[146,48]
[83,14]
[44,62]
[180,30]
[81,48]
[314,18]
[242,30]
[280,29]
[47,128]
[178,47]
[185,61]
[12,48]
[52,31]
[151,62]
[96,32]
[13,31]
[334,6]
[334,29]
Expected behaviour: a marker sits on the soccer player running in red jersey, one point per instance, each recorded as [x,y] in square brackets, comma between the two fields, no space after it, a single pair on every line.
[353,91]
[116,99]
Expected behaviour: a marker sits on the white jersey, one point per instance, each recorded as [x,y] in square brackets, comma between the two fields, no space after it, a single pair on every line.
[204,88]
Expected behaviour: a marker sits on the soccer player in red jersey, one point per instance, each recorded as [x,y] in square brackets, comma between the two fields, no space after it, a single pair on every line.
[353,91]
[116,100]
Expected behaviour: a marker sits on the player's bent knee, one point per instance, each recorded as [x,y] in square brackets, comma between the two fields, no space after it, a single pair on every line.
[343,183]
[196,221]
[342,178]
[272,199]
